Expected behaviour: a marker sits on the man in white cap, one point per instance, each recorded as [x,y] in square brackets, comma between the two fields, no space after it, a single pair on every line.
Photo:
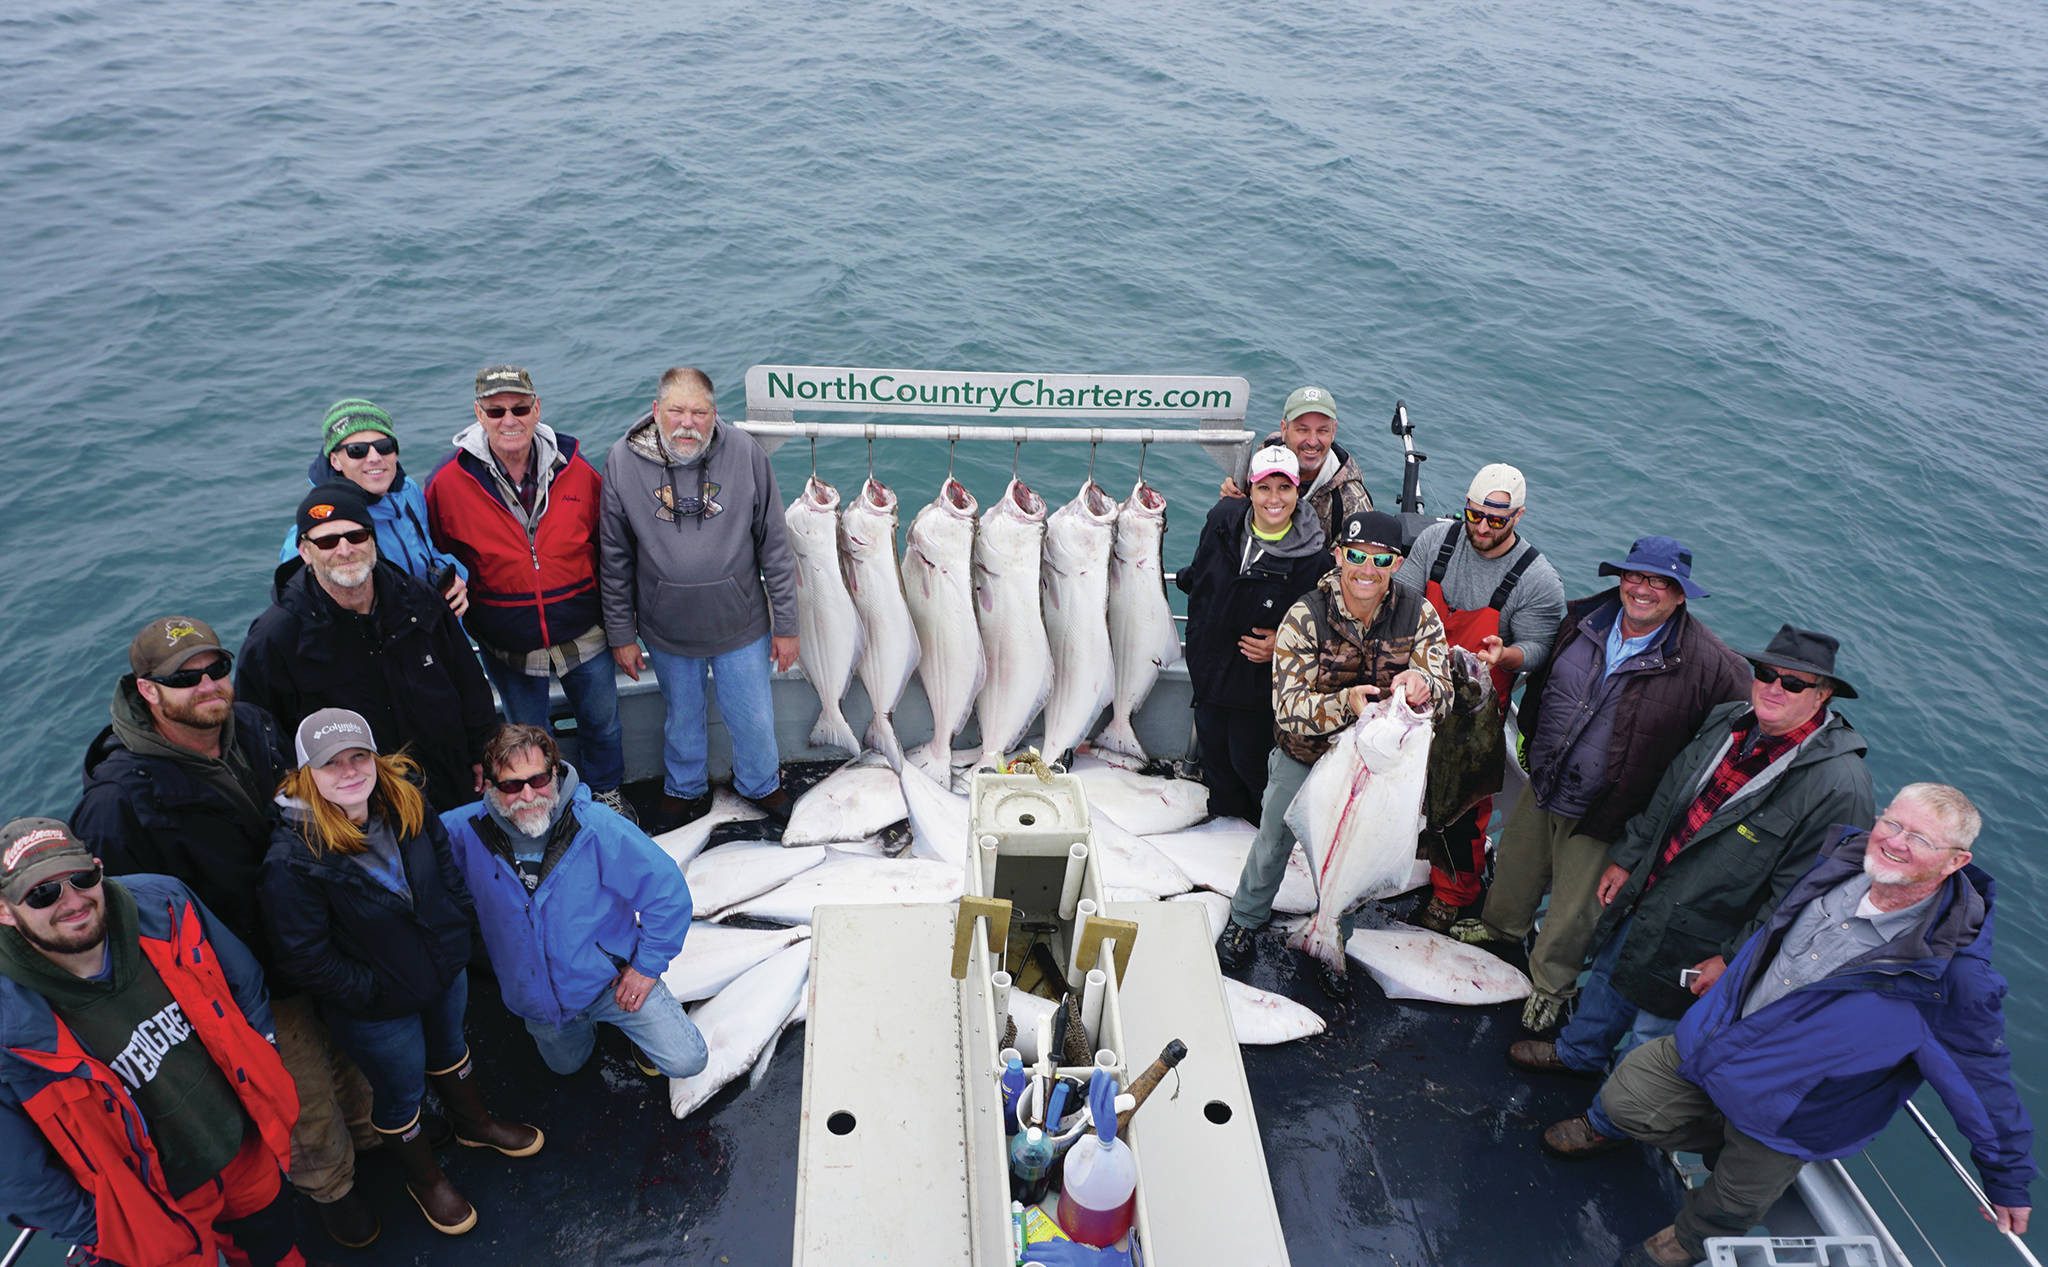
[1500,599]
[1330,481]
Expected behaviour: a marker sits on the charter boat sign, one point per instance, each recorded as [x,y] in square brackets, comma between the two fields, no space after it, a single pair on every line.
[780,390]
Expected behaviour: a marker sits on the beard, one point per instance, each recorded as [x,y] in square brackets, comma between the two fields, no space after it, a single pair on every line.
[532,818]
[1882,870]
[344,576]
[76,940]
[206,714]
[686,446]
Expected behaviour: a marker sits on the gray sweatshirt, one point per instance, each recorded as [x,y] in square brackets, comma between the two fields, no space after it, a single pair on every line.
[1534,610]
[693,558]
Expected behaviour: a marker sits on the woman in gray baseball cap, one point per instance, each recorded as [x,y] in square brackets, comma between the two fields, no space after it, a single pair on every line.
[366,912]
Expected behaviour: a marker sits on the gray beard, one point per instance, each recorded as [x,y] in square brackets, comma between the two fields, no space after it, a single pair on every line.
[539,814]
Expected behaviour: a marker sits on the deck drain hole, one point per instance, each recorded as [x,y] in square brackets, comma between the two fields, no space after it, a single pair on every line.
[841,1123]
[1027,819]
[1216,1111]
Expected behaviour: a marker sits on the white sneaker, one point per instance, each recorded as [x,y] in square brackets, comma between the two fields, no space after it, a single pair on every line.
[615,801]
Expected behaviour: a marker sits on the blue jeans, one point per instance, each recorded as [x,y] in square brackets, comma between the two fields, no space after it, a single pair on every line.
[593,691]
[1604,1017]
[667,1037]
[744,702]
[396,1054]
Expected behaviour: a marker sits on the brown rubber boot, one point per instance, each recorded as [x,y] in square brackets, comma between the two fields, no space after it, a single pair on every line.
[474,1125]
[445,1208]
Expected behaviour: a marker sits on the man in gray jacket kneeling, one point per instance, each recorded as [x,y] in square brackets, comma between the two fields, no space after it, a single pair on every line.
[694,560]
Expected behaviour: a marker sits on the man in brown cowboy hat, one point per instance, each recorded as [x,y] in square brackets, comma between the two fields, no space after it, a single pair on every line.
[1734,823]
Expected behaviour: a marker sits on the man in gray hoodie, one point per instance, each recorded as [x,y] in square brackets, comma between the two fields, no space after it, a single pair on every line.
[695,561]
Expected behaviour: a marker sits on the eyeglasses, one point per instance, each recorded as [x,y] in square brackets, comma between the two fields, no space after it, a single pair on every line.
[1492,521]
[357,450]
[512,787]
[354,536]
[1793,686]
[1650,579]
[1358,557]
[186,679]
[498,411]
[45,895]
[1893,827]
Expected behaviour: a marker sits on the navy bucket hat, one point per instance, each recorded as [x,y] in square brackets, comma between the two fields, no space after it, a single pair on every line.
[1664,556]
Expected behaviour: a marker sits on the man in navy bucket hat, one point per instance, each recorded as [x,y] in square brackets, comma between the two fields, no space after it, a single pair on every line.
[1631,677]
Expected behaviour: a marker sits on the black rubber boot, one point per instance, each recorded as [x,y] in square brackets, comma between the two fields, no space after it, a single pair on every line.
[349,1221]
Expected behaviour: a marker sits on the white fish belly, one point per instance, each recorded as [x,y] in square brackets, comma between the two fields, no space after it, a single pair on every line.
[867,543]
[829,639]
[1141,803]
[720,877]
[713,956]
[1016,655]
[851,803]
[856,881]
[1075,591]
[1414,963]
[1358,815]
[739,1022]
[1142,636]
[938,586]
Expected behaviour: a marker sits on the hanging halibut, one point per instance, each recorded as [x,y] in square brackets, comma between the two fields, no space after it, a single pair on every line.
[1358,814]
[867,552]
[938,586]
[828,630]
[1075,587]
[1142,635]
[1013,645]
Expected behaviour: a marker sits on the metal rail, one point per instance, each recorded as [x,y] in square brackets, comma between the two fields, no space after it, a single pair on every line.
[1222,445]
[1983,1202]
[14,1251]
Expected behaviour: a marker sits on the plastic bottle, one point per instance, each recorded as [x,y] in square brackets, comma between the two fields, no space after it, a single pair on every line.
[1101,1192]
[1030,1161]
[1013,1086]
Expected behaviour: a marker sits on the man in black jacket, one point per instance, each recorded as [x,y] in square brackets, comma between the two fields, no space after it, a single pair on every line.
[347,631]
[180,784]
[1735,822]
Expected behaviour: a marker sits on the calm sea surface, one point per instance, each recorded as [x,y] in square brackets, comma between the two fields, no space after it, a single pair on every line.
[1768,279]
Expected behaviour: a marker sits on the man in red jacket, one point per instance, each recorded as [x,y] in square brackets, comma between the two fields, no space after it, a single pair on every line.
[518,504]
[143,1114]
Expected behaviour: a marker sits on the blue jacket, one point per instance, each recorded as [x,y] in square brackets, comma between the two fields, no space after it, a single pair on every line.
[1817,1074]
[400,518]
[557,950]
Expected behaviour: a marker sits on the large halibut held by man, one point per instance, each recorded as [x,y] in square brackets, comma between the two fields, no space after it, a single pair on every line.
[938,584]
[1017,656]
[1078,538]
[867,551]
[829,636]
[1358,814]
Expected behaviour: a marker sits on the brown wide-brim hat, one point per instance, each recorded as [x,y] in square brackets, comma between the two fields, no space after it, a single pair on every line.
[1806,651]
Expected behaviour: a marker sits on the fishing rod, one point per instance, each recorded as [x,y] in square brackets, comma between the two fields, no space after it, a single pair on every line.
[1983,1202]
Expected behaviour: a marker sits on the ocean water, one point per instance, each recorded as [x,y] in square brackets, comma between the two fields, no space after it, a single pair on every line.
[1767,279]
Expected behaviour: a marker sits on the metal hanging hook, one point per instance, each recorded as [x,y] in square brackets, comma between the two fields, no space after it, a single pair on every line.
[1144,447]
[952,442]
[871,457]
[1092,446]
[1016,457]
[814,457]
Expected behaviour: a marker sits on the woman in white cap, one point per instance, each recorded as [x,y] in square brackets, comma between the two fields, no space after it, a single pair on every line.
[1256,555]
[367,912]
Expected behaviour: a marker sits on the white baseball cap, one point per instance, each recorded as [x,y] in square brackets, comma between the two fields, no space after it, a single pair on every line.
[1276,459]
[1498,478]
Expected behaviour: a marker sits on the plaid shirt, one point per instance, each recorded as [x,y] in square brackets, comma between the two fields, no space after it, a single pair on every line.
[1736,769]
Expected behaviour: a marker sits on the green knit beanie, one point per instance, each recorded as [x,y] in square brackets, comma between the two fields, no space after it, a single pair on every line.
[346,417]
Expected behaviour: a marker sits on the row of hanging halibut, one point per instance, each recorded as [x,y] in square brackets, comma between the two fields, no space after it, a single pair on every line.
[1016,614]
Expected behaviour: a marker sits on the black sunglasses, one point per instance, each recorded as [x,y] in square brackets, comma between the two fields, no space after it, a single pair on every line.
[498,411]
[354,536]
[360,449]
[186,679]
[512,787]
[1793,686]
[45,895]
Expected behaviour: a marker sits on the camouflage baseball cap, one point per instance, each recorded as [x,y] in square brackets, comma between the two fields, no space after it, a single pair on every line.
[164,645]
[503,378]
[1309,400]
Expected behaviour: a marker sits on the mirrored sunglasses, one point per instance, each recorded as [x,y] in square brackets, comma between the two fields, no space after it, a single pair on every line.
[186,679]
[1492,521]
[1357,557]
[45,895]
